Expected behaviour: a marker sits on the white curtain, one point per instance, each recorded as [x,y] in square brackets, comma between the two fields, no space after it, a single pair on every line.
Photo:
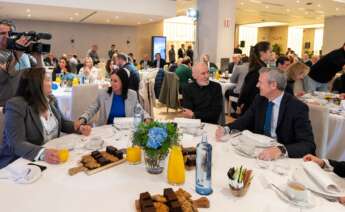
[250,36]
[179,29]
[295,39]
[318,40]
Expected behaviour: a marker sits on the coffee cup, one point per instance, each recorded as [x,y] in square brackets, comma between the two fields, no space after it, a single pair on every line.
[297,191]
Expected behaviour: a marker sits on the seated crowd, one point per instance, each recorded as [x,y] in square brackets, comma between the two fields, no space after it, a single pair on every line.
[267,99]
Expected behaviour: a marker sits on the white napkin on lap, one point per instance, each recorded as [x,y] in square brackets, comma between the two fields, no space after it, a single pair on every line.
[21,173]
[259,140]
[321,177]
[187,123]
[123,123]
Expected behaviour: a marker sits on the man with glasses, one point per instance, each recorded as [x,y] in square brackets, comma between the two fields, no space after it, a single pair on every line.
[279,115]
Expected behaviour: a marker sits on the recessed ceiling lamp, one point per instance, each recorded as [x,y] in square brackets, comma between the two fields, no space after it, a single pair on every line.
[71,18]
[117,17]
[297,1]
[340,1]
[337,9]
[150,19]
[76,14]
[138,23]
[319,5]
[108,21]
[29,15]
[28,10]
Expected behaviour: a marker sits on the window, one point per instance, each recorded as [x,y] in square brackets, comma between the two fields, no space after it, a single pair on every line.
[318,40]
[249,35]
[295,39]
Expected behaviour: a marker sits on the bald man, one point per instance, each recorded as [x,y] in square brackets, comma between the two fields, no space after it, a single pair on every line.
[202,99]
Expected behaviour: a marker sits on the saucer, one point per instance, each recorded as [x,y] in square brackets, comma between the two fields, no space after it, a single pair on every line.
[309,203]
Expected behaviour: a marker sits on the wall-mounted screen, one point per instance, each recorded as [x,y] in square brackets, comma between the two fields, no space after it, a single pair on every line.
[159,46]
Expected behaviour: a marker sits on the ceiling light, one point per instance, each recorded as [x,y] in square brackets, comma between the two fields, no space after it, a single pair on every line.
[301,8]
[71,18]
[306,13]
[108,20]
[340,1]
[138,23]
[29,15]
[319,5]
[297,1]
[76,14]
[267,7]
[337,9]
[28,10]
[255,1]
[287,10]
[150,19]
[266,24]
[117,17]
[242,3]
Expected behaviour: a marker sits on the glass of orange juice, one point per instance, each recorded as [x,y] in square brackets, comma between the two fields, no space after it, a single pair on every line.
[63,155]
[133,155]
[176,170]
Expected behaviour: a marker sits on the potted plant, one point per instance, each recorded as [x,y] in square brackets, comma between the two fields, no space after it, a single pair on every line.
[156,138]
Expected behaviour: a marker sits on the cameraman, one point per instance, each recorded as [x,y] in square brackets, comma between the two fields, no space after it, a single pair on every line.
[11,62]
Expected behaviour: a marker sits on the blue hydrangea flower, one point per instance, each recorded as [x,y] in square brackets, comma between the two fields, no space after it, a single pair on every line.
[68,76]
[156,137]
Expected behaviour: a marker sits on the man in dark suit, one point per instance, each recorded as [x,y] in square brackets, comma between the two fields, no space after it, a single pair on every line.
[181,53]
[329,165]
[278,115]
[158,62]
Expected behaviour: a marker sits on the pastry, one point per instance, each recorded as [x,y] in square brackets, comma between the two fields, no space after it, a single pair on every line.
[102,161]
[111,150]
[161,207]
[159,198]
[109,157]
[202,202]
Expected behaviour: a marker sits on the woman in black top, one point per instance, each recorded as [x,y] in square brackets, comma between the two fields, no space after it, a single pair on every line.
[260,53]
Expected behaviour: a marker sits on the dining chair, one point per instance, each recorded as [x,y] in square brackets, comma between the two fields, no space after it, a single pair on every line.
[319,117]
[82,97]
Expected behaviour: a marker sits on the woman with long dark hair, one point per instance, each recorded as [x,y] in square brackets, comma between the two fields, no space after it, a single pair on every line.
[33,118]
[260,53]
[117,101]
[62,68]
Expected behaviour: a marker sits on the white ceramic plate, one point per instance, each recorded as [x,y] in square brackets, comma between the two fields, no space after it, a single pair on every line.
[309,203]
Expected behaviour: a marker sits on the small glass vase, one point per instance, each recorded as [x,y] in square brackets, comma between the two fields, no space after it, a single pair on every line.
[155,164]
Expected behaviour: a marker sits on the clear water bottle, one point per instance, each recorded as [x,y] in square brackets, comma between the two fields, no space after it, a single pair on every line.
[203,167]
[138,115]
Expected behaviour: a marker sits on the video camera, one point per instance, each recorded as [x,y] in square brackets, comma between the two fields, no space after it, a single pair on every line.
[34,46]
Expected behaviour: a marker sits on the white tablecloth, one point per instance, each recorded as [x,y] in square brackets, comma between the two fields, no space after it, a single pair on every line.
[336,129]
[117,188]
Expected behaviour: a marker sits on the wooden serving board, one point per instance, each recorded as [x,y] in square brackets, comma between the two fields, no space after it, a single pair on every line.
[94,171]
[81,168]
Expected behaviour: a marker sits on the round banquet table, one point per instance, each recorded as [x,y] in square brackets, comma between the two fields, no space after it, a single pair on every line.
[117,188]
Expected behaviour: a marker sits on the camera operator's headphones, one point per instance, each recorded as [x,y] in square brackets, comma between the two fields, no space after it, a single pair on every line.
[9,23]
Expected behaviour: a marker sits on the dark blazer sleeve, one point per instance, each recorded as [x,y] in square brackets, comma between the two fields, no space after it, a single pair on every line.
[67,126]
[15,130]
[339,167]
[249,90]
[304,139]
[247,120]
[212,114]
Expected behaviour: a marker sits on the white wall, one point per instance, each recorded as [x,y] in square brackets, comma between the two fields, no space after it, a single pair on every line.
[334,33]
[84,36]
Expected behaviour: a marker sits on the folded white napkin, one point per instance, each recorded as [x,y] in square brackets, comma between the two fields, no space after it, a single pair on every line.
[187,123]
[21,173]
[321,177]
[259,140]
[123,123]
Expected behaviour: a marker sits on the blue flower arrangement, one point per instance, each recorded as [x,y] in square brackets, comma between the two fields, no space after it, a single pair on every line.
[156,138]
